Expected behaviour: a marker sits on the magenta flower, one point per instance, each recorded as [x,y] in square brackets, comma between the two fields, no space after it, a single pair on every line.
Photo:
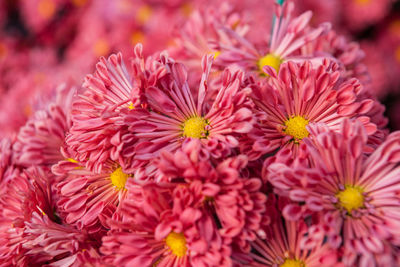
[163,227]
[87,199]
[174,114]
[234,199]
[298,96]
[355,194]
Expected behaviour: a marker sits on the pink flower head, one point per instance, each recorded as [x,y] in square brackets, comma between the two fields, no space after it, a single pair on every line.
[356,195]
[163,227]
[97,113]
[47,242]
[290,243]
[40,140]
[301,95]
[289,34]
[229,196]
[174,113]
[87,199]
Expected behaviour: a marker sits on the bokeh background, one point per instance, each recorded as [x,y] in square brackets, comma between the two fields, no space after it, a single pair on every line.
[46,43]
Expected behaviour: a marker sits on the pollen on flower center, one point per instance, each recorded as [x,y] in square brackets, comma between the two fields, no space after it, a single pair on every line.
[195,128]
[270,60]
[351,198]
[363,2]
[296,127]
[46,8]
[118,178]
[397,54]
[292,263]
[177,243]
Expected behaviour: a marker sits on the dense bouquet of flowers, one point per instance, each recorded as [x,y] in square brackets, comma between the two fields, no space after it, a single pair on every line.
[253,137]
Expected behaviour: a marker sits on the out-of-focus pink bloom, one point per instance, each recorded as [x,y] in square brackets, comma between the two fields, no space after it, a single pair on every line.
[389,44]
[235,200]
[289,34]
[323,11]
[40,140]
[298,96]
[356,195]
[174,113]
[201,34]
[347,55]
[163,227]
[363,13]
[39,13]
[377,68]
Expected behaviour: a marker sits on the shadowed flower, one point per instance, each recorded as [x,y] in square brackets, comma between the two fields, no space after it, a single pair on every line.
[356,195]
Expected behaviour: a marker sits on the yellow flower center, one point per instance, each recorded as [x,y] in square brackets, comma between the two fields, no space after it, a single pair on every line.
[72,160]
[143,14]
[3,50]
[137,37]
[270,60]
[397,54]
[292,263]
[101,48]
[195,128]
[362,2]
[296,127]
[177,244]
[216,54]
[351,198]
[46,8]
[79,3]
[118,178]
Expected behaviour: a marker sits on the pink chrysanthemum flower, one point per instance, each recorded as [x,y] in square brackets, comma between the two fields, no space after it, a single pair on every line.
[22,195]
[298,96]
[97,118]
[40,140]
[48,242]
[174,114]
[356,195]
[87,199]
[229,196]
[286,243]
[289,34]
[163,227]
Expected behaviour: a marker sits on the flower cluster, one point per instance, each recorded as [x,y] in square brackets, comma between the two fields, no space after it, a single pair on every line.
[239,144]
